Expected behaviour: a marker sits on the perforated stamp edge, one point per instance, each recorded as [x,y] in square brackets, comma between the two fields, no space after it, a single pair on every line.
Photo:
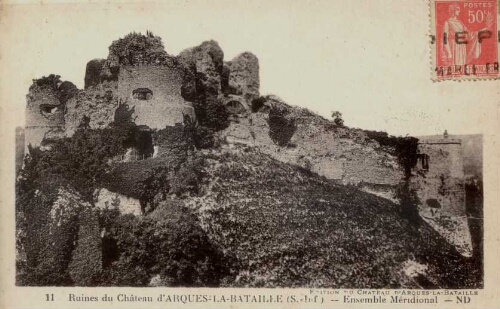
[431,7]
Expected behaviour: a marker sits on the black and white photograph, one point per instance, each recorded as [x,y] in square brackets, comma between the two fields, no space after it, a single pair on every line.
[260,145]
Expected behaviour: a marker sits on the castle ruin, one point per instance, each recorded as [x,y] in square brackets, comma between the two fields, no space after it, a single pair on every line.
[157,87]
[44,114]
[160,90]
[439,183]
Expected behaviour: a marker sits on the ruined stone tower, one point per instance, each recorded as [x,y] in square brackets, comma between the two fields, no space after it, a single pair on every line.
[154,92]
[440,168]
[439,184]
[45,110]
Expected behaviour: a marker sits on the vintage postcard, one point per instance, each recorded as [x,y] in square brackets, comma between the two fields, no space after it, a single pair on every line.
[235,154]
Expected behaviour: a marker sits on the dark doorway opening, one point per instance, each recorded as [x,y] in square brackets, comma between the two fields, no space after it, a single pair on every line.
[144,143]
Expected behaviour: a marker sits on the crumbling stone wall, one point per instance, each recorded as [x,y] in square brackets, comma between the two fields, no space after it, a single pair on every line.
[346,155]
[44,114]
[203,66]
[94,73]
[243,76]
[198,75]
[100,110]
[164,106]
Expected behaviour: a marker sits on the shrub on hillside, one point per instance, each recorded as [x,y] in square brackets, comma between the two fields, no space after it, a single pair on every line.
[158,182]
[204,138]
[47,82]
[211,113]
[178,139]
[83,159]
[281,128]
[63,90]
[170,243]
[406,152]
[337,118]
[130,178]
[187,180]
[199,136]
[151,180]
[67,90]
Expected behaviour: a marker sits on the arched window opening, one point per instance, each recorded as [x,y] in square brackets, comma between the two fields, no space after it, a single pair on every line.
[142,94]
[235,107]
[48,110]
[434,205]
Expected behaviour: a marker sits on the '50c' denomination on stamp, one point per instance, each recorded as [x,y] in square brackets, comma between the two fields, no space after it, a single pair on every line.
[466,39]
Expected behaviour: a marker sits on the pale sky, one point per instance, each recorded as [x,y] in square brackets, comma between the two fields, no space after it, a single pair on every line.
[368,59]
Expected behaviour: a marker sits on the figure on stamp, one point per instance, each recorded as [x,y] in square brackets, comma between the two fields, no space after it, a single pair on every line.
[460,45]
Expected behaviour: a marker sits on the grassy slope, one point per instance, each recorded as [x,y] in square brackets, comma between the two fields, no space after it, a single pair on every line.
[288,227]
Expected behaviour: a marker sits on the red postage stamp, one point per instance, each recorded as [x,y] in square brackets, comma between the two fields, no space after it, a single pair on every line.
[465,41]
